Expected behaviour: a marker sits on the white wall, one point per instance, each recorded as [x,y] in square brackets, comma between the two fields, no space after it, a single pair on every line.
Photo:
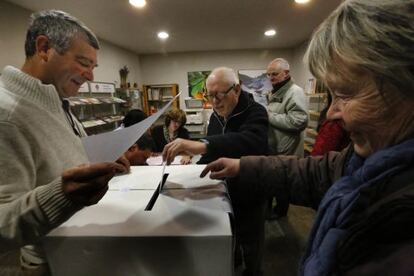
[111,58]
[13,24]
[173,68]
[302,74]
[147,69]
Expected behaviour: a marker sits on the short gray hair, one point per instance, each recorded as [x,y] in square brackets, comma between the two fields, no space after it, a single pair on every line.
[283,64]
[375,36]
[59,27]
[224,74]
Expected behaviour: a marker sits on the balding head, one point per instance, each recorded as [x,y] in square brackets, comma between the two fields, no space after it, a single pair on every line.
[278,71]
[223,75]
[223,90]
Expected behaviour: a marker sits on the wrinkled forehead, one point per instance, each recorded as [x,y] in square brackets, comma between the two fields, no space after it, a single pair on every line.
[217,84]
[273,66]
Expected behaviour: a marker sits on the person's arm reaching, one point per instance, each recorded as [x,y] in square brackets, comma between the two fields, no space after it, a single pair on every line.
[306,180]
[222,168]
[182,147]
[250,139]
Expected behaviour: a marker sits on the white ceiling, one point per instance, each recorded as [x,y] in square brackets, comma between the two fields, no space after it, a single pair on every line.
[195,25]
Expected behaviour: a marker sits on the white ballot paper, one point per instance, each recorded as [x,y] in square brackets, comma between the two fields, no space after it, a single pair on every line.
[148,177]
[109,146]
[157,160]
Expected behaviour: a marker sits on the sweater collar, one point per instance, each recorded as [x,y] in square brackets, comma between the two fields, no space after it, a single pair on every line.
[277,86]
[31,88]
[280,92]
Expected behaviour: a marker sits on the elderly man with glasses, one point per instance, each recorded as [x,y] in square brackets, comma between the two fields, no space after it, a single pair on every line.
[288,118]
[238,127]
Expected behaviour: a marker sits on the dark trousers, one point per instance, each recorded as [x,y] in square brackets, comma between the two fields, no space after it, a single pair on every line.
[249,230]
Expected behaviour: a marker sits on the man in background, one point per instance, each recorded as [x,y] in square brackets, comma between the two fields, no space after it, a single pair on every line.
[288,118]
[45,173]
[140,151]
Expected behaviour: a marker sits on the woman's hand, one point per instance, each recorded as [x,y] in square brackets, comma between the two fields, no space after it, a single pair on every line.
[222,168]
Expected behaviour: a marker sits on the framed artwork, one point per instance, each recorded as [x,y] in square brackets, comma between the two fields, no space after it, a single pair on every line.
[197,84]
[257,83]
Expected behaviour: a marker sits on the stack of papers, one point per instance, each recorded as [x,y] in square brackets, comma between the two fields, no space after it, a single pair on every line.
[157,160]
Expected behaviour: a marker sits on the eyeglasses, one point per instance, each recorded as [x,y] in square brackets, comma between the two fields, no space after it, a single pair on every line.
[219,95]
[273,74]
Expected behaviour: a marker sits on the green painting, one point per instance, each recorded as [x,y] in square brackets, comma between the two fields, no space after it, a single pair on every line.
[197,84]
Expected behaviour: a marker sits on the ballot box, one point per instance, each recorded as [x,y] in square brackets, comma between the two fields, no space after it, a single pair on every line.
[186,232]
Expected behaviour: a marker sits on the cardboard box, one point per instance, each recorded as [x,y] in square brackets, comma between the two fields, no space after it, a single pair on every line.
[186,233]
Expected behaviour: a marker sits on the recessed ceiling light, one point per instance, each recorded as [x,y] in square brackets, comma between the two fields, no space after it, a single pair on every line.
[302,1]
[138,3]
[163,35]
[271,32]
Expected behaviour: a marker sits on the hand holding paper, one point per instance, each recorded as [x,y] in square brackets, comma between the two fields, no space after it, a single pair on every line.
[182,147]
[87,184]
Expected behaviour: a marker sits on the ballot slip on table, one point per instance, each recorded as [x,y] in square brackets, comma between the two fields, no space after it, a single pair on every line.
[157,160]
[148,178]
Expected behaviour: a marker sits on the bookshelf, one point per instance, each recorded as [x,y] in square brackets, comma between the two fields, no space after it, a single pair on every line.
[133,98]
[158,95]
[316,93]
[97,107]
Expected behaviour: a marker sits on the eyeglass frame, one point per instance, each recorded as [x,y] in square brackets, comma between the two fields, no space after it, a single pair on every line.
[219,95]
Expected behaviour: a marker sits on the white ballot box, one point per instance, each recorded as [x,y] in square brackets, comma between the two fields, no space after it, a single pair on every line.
[187,232]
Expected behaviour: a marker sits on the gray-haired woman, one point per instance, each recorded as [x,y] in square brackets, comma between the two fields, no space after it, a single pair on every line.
[365,194]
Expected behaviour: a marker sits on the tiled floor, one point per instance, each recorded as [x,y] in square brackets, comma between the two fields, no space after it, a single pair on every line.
[286,240]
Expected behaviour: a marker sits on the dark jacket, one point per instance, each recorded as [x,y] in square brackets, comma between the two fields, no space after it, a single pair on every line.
[157,134]
[379,239]
[244,133]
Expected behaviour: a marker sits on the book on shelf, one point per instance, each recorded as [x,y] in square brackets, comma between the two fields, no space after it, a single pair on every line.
[155,94]
[167,98]
[310,87]
[118,100]
[74,102]
[149,94]
[94,101]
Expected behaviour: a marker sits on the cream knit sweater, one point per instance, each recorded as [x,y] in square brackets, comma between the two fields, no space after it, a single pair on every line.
[36,145]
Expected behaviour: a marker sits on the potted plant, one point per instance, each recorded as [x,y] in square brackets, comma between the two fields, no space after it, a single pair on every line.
[123,73]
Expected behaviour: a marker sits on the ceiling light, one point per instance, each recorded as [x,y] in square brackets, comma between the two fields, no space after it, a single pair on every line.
[163,35]
[302,1]
[271,32]
[138,3]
